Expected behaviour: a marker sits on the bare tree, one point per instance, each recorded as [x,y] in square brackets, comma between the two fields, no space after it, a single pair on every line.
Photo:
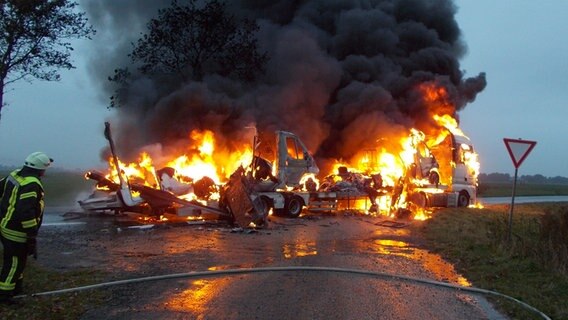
[34,39]
[188,42]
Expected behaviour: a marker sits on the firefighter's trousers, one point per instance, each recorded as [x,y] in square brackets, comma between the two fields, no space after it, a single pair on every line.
[14,263]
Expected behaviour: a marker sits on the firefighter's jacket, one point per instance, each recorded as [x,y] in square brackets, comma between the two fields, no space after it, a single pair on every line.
[21,205]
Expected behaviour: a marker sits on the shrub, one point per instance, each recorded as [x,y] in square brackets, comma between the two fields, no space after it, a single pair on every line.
[552,246]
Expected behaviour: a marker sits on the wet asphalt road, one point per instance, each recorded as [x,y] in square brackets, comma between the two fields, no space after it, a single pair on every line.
[128,249]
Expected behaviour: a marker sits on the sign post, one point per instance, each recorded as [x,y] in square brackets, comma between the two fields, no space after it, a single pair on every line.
[518,150]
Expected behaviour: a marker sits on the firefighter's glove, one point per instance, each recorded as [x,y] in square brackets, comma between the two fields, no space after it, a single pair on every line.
[32,247]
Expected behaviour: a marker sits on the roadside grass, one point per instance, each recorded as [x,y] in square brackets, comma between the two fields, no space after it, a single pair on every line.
[61,306]
[63,188]
[531,267]
[494,189]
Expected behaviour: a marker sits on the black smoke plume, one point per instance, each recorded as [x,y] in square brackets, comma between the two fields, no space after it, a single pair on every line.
[341,74]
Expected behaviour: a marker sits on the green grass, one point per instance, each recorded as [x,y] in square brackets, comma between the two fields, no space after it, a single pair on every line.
[530,267]
[506,189]
[63,188]
[61,306]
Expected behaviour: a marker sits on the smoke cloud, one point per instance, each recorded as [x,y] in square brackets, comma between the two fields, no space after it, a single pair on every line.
[341,74]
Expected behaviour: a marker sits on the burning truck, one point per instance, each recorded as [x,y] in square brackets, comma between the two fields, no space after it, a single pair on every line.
[279,176]
[373,90]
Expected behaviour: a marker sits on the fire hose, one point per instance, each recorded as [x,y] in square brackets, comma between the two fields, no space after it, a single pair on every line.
[214,273]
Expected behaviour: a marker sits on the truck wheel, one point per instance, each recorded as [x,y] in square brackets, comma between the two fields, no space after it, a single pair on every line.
[463,199]
[434,178]
[266,205]
[294,206]
[419,199]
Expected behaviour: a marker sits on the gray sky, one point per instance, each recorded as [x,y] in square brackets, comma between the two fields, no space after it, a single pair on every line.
[521,46]
[518,43]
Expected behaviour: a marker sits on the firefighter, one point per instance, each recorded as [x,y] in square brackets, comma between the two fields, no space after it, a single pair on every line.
[21,213]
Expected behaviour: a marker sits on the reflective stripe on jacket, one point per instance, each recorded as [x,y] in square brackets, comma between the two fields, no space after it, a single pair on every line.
[21,206]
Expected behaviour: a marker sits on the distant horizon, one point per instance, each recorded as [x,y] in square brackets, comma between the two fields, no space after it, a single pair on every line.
[59,168]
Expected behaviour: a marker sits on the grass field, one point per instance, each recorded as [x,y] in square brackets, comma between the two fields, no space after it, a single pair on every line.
[63,306]
[532,266]
[506,189]
[63,188]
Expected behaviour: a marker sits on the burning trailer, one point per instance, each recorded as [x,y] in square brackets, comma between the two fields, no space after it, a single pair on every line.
[169,194]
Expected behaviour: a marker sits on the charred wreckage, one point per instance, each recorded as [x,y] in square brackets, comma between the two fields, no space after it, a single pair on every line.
[288,184]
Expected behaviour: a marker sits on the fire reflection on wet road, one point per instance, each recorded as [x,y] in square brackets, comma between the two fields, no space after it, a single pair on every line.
[197,297]
[325,241]
[431,262]
[299,250]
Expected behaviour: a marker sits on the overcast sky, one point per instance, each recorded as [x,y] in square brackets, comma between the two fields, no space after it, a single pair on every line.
[518,43]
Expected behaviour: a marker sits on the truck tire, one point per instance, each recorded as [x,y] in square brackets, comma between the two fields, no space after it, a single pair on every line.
[266,205]
[294,206]
[419,199]
[463,199]
[434,178]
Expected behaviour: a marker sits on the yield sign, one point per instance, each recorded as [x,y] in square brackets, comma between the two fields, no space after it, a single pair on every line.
[518,149]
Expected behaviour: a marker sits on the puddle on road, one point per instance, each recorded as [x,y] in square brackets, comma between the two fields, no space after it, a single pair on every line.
[295,250]
[196,298]
[431,262]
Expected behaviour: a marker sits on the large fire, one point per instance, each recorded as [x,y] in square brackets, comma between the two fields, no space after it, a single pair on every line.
[204,160]
[389,160]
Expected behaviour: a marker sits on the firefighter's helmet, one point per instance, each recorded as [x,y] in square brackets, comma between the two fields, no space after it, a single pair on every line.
[38,160]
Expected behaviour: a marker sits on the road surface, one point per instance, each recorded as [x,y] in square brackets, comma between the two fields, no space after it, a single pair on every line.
[127,249]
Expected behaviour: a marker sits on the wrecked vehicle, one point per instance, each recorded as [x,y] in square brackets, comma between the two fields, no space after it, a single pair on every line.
[461,167]
[246,198]
[249,195]
[443,175]
[281,179]
[163,197]
[283,191]
[446,174]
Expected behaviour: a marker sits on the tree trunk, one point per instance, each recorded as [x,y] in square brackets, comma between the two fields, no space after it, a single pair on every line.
[1,97]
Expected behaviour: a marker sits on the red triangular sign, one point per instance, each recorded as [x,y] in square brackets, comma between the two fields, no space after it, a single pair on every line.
[518,149]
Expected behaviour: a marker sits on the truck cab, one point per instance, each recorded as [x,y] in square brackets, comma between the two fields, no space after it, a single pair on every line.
[458,168]
[276,176]
[293,161]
